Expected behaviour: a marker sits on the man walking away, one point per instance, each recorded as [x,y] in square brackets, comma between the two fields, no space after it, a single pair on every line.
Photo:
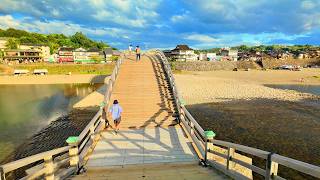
[137,53]
[115,111]
[130,49]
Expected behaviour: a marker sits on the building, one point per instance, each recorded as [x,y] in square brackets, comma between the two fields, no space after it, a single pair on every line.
[65,54]
[108,53]
[167,53]
[183,53]
[202,57]
[212,56]
[80,55]
[95,54]
[229,54]
[22,55]
[44,50]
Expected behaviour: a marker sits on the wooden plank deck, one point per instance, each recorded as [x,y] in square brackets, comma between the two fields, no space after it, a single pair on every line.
[143,93]
[178,171]
[149,143]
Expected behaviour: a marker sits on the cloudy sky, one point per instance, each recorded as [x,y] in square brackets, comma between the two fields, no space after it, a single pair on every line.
[165,23]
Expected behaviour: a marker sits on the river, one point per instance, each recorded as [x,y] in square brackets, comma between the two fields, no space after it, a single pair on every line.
[312,89]
[26,109]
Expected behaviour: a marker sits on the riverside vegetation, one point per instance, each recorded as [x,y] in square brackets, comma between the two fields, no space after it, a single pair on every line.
[54,41]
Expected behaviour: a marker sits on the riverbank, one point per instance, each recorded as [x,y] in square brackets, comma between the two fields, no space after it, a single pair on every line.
[53,135]
[60,69]
[54,79]
[240,109]
[218,86]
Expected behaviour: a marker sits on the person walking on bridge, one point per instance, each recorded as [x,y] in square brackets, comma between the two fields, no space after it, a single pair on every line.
[115,111]
[130,49]
[138,53]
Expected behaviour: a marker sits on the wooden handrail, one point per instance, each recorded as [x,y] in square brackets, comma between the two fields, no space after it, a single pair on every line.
[31,159]
[95,125]
[297,165]
[249,150]
[191,125]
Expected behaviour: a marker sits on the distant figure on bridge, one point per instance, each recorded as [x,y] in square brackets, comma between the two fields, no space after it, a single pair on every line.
[138,53]
[115,111]
[130,49]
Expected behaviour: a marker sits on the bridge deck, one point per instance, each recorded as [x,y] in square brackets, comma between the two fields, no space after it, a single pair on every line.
[148,133]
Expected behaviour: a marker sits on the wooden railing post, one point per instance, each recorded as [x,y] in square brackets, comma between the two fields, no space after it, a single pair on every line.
[48,165]
[230,164]
[74,155]
[192,128]
[209,136]
[92,133]
[2,174]
[271,167]
[206,150]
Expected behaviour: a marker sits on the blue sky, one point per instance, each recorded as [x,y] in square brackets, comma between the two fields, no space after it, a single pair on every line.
[165,23]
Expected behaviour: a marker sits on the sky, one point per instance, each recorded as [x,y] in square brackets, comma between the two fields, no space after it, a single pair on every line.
[201,24]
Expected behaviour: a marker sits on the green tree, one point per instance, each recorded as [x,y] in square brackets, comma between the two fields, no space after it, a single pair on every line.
[12,43]
[80,40]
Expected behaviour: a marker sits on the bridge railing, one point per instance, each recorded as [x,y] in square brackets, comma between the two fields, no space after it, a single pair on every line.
[204,146]
[61,162]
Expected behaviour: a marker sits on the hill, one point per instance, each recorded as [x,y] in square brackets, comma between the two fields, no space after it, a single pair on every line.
[54,41]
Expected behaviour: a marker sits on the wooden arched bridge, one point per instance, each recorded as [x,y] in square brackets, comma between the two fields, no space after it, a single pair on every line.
[158,138]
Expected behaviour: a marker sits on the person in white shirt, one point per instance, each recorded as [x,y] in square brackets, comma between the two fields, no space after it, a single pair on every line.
[115,112]
[130,49]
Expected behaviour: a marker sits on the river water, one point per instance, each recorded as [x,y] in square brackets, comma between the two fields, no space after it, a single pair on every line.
[312,89]
[26,109]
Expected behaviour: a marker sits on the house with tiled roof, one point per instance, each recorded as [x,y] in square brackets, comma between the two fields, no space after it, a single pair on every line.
[183,53]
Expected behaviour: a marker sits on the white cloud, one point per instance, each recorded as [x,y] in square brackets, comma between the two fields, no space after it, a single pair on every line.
[177,18]
[201,38]
[308,5]
[180,17]
[66,28]
[132,13]
[8,21]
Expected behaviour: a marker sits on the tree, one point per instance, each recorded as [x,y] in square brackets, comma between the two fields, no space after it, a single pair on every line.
[54,41]
[80,40]
[12,43]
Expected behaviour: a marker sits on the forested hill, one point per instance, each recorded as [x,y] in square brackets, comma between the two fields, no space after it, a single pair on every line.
[54,41]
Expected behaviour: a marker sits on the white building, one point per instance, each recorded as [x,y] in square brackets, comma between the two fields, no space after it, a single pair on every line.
[229,54]
[212,56]
[183,53]
[202,57]
[45,50]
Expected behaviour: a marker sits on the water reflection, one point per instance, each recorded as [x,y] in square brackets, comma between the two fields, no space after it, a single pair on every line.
[25,109]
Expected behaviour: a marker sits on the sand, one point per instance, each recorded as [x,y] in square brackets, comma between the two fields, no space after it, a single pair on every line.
[92,100]
[220,86]
[53,79]
[240,109]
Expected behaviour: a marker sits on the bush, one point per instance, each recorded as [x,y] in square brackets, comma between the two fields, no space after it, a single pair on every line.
[114,58]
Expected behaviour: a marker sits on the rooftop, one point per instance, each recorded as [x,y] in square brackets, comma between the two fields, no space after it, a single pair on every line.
[182,47]
[66,49]
[21,50]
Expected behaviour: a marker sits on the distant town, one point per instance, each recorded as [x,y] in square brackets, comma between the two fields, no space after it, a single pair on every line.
[243,53]
[30,53]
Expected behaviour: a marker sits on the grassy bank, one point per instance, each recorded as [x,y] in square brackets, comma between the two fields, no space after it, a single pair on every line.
[104,69]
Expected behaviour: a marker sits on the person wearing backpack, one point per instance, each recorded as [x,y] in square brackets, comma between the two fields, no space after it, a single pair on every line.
[115,112]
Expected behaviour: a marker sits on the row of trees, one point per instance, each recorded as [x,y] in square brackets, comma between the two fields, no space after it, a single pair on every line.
[266,48]
[54,41]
